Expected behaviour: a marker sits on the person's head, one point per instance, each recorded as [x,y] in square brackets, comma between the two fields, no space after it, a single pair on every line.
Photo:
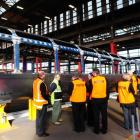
[76,75]
[95,72]
[126,76]
[57,76]
[41,75]
[130,72]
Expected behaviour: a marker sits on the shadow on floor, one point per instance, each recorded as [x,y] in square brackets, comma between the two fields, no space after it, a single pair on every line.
[115,111]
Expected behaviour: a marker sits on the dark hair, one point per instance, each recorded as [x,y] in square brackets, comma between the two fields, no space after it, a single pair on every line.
[77,75]
[96,70]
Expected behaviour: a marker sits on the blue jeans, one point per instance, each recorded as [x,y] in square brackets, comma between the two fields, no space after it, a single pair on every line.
[127,112]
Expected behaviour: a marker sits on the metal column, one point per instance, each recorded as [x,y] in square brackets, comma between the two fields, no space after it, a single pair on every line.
[69,64]
[33,67]
[56,58]
[100,64]
[24,64]
[57,69]
[114,63]
[16,44]
[82,61]
[49,66]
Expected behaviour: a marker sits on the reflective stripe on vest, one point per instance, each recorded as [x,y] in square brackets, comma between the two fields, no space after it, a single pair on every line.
[39,101]
[99,87]
[58,89]
[135,84]
[79,91]
[125,97]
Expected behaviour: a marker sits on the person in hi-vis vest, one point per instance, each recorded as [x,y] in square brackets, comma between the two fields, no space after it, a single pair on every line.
[56,99]
[77,93]
[134,81]
[40,99]
[138,77]
[126,99]
[89,109]
[99,97]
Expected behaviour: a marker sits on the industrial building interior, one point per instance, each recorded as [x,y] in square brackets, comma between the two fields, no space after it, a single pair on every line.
[59,36]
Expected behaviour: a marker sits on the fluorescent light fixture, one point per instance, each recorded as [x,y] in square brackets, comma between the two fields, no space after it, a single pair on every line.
[29,25]
[4,18]
[47,17]
[19,7]
[71,6]
[125,29]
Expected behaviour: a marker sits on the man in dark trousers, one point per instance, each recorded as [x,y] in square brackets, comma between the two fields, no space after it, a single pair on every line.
[98,89]
[77,92]
[40,98]
[90,117]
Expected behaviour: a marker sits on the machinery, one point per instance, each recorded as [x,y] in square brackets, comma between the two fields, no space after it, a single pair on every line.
[16,86]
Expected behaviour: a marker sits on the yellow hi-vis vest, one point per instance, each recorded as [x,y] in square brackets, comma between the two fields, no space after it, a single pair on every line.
[135,84]
[58,89]
[99,87]
[125,97]
[79,91]
[39,101]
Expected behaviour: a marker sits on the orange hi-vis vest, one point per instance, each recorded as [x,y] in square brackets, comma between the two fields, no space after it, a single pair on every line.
[135,84]
[79,91]
[99,87]
[138,80]
[125,97]
[39,101]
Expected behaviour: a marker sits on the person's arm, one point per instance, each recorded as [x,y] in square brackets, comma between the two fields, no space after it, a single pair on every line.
[52,87]
[60,84]
[89,86]
[107,89]
[131,89]
[43,90]
[70,88]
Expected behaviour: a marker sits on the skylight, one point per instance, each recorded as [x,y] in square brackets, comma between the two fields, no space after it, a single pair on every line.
[8,3]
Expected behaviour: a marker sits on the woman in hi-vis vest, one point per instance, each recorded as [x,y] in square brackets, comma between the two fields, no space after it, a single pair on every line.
[40,99]
[126,99]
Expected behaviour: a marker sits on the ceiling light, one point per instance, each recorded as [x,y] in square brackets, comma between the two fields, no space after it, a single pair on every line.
[29,25]
[118,45]
[132,33]
[71,6]
[47,17]
[125,29]
[4,18]
[19,7]
[123,47]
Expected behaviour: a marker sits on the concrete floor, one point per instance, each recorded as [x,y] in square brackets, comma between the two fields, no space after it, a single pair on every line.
[24,129]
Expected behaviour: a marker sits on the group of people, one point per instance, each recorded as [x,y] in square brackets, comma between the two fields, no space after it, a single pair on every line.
[94,92]
[96,87]
[41,98]
[128,90]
